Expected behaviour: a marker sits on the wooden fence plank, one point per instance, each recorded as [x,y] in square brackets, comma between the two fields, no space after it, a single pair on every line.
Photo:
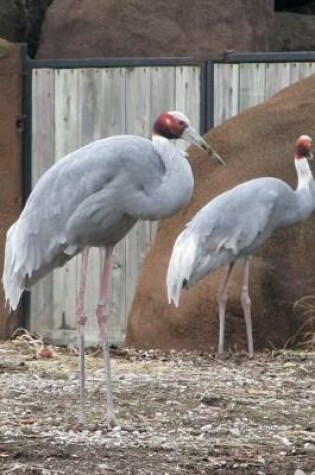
[226,92]
[277,77]
[251,85]
[299,71]
[43,156]
[162,94]
[187,96]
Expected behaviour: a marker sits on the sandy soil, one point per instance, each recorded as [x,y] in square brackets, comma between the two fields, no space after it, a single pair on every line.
[180,413]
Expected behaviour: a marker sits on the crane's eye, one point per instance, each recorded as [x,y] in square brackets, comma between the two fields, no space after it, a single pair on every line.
[181,122]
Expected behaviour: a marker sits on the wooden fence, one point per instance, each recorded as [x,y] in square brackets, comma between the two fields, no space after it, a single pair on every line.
[71,107]
[238,86]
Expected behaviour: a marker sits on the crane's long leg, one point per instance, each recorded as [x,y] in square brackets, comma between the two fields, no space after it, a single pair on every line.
[222,299]
[102,318]
[246,304]
[81,319]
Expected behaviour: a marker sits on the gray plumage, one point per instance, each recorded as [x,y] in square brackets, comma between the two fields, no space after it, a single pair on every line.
[235,223]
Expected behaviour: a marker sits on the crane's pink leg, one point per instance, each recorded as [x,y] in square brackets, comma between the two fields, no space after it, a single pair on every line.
[102,318]
[222,299]
[246,304]
[81,319]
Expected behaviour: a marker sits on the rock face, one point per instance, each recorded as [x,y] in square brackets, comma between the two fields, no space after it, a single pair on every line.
[258,142]
[11,160]
[91,28]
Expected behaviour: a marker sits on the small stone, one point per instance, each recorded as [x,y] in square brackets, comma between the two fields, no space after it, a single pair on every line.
[206,428]
[299,472]
[309,446]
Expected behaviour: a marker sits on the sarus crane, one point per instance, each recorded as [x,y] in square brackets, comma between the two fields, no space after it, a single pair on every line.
[233,225]
[93,197]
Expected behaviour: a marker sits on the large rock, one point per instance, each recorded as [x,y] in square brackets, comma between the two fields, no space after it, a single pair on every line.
[258,142]
[91,28]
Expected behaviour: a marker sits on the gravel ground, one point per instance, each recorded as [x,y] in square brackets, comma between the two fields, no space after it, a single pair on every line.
[179,412]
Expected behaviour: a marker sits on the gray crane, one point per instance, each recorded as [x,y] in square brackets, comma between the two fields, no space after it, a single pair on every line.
[233,225]
[92,198]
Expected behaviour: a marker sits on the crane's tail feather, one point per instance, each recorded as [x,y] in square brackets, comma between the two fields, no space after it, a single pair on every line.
[13,280]
[181,265]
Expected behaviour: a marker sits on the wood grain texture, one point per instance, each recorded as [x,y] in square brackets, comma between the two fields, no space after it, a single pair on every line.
[226,92]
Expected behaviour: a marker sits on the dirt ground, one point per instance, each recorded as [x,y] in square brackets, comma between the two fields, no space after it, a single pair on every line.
[180,413]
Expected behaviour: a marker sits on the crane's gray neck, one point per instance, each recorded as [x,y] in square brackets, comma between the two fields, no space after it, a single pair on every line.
[304,173]
[305,191]
[164,147]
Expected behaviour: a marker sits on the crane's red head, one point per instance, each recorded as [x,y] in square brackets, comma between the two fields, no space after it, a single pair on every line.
[170,125]
[303,147]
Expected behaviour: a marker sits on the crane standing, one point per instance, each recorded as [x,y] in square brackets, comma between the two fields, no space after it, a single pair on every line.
[93,197]
[233,225]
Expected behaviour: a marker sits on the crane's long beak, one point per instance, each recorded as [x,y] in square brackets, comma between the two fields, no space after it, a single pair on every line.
[192,136]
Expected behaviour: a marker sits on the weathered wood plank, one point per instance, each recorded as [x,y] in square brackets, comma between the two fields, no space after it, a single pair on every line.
[162,94]
[90,113]
[226,92]
[187,96]
[43,156]
[277,78]
[251,85]
[299,71]
[187,93]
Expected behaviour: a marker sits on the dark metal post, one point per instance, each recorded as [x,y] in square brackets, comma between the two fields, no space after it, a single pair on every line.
[210,94]
[26,125]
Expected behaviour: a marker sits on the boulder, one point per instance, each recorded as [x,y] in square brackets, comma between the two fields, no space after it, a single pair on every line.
[258,142]
[97,28]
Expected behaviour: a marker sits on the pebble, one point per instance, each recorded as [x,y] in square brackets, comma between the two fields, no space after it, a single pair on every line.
[207,428]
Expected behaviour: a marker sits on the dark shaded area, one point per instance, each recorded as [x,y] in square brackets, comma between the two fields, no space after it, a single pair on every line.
[21,21]
[293,32]
[298,6]
[258,142]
